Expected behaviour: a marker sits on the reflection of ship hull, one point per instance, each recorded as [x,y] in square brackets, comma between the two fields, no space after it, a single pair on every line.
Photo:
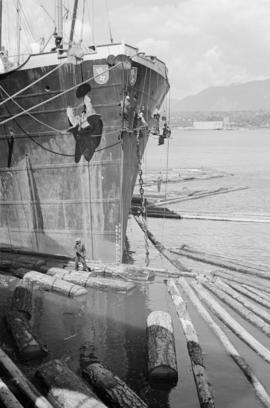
[46,198]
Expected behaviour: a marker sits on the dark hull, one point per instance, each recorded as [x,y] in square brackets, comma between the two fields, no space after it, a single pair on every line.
[52,188]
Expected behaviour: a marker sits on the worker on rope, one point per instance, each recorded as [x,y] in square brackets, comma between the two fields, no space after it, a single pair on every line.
[80,255]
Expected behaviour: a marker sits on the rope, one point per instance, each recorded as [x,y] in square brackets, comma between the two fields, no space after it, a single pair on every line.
[33,83]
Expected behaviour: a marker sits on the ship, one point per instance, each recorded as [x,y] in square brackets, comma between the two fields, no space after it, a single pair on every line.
[74,124]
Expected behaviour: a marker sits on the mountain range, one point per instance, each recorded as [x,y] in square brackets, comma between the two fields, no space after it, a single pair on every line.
[249,96]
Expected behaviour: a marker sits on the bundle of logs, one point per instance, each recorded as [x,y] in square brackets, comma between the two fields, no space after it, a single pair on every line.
[62,387]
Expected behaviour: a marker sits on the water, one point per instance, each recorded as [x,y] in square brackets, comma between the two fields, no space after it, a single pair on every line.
[115,325]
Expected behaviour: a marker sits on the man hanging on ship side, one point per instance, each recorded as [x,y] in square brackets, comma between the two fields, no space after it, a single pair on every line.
[80,255]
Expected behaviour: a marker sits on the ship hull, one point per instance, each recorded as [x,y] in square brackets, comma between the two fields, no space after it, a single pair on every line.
[59,180]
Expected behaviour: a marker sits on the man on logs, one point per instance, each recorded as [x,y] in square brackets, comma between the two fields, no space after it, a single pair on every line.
[80,255]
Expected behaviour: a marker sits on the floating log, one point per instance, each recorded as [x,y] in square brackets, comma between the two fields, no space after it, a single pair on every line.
[22,298]
[254,282]
[53,284]
[125,271]
[239,308]
[204,391]
[110,388]
[26,387]
[221,218]
[165,252]
[200,194]
[65,388]
[259,389]
[258,292]
[245,290]
[87,280]
[27,345]
[8,281]
[225,317]
[243,300]
[162,364]
[218,261]
[7,398]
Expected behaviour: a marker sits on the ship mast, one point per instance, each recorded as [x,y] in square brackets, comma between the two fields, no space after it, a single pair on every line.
[59,6]
[74,16]
[18,32]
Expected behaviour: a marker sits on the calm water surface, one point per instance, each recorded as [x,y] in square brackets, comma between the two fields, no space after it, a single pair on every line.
[115,324]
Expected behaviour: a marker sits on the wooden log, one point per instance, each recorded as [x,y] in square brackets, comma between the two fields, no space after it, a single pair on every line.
[87,280]
[226,318]
[26,387]
[200,194]
[8,281]
[126,271]
[256,283]
[247,291]
[239,308]
[64,388]
[7,398]
[110,388]
[228,259]
[22,298]
[204,391]
[263,295]
[259,389]
[28,346]
[54,285]
[165,252]
[243,300]
[213,260]
[162,363]
[221,219]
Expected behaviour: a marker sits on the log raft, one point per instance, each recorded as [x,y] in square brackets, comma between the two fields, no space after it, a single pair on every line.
[220,262]
[87,280]
[65,388]
[258,283]
[239,307]
[125,271]
[225,317]
[258,387]
[25,386]
[162,363]
[204,391]
[111,389]
[255,296]
[52,284]
[243,300]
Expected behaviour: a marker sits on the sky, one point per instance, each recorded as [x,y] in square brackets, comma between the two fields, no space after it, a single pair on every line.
[203,42]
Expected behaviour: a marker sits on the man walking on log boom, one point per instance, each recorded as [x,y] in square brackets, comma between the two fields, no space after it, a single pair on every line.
[80,255]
